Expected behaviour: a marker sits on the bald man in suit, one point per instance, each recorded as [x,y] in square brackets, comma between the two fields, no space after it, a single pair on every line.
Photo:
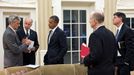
[102,46]
[26,31]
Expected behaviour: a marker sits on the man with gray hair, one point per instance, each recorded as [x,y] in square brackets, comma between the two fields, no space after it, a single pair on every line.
[102,46]
[13,48]
[26,31]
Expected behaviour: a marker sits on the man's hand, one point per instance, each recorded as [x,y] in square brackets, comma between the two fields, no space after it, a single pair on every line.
[32,49]
[26,41]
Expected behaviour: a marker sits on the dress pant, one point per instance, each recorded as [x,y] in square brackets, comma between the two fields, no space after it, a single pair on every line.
[122,68]
[29,58]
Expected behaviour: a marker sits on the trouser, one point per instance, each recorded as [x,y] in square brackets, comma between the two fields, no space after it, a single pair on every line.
[123,69]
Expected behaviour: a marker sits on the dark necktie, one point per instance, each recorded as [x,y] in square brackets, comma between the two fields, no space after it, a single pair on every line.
[27,33]
[117,33]
[50,35]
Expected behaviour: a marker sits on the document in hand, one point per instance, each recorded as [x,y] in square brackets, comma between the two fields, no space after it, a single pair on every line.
[85,50]
[31,45]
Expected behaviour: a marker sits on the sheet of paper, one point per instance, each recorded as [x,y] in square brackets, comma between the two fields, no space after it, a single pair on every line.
[31,45]
[32,66]
[118,53]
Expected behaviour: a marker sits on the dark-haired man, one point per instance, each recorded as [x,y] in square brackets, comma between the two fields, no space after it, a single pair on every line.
[124,38]
[57,45]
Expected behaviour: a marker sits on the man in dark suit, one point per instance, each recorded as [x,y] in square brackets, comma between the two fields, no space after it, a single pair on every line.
[125,44]
[102,46]
[26,32]
[57,45]
[13,48]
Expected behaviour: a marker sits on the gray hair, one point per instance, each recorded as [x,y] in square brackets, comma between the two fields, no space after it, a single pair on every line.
[12,18]
[99,16]
[29,19]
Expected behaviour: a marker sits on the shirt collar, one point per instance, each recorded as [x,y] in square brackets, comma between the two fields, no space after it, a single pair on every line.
[98,26]
[119,28]
[26,31]
[54,28]
[12,28]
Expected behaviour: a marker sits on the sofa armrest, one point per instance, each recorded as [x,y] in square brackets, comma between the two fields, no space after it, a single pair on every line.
[33,72]
[62,69]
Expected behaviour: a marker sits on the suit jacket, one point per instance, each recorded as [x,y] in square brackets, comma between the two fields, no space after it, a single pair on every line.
[29,58]
[102,44]
[12,49]
[57,48]
[125,44]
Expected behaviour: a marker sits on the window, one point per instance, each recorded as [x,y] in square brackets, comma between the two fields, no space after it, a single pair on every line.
[130,22]
[74,25]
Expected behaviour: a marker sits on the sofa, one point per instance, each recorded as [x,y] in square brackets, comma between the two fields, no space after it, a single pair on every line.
[64,69]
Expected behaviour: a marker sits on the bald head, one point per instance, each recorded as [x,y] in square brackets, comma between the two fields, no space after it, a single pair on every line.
[28,23]
[98,16]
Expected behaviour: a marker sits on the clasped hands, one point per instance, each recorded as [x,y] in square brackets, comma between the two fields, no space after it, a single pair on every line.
[27,42]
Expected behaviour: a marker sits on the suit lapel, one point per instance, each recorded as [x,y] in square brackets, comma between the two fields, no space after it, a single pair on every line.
[23,32]
[121,33]
[54,34]
[16,36]
[30,33]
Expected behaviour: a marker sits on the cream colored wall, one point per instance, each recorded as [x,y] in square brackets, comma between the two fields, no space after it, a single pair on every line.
[109,9]
[125,4]
[79,0]
[19,1]
[44,11]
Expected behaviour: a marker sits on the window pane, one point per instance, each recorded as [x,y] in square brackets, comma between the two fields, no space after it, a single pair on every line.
[83,16]
[83,30]
[132,22]
[75,57]
[74,43]
[128,21]
[67,29]
[67,58]
[74,16]
[75,30]
[68,43]
[66,16]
